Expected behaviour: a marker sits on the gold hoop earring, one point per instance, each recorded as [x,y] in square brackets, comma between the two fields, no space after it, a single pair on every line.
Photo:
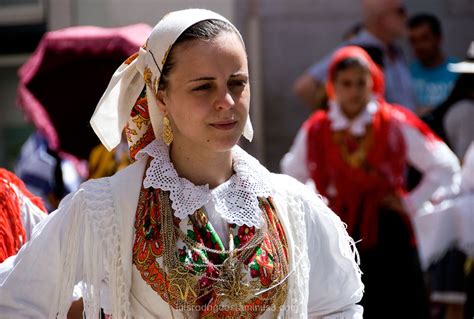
[167,131]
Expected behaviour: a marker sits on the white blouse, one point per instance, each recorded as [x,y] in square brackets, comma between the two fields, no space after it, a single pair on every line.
[437,163]
[90,239]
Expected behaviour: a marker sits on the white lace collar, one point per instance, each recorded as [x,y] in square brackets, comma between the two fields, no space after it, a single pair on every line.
[356,126]
[236,200]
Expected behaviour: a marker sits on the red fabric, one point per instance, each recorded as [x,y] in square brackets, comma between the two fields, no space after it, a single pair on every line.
[359,189]
[355,52]
[12,233]
[355,192]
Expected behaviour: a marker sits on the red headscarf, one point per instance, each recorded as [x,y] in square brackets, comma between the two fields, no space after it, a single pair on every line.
[12,233]
[357,53]
[360,188]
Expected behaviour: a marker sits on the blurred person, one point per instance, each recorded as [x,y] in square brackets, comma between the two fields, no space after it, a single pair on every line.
[352,31]
[46,173]
[103,163]
[458,122]
[355,154]
[384,22]
[442,228]
[446,246]
[374,52]
[432,80]
[195,227]
[460,98]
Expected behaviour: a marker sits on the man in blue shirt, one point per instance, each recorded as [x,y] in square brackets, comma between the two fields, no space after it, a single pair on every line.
[432,80]
[384,23]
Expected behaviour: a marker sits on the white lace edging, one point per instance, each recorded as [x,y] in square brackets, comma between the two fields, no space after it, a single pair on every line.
[238,203]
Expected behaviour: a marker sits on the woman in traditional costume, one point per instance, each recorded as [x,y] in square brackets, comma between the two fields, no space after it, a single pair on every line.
[355,154]
[195,227]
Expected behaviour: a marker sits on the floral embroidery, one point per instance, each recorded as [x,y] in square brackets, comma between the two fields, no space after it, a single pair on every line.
[265,266]
[138,130]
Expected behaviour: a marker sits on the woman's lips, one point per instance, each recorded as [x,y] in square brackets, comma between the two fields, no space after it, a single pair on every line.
[224,125]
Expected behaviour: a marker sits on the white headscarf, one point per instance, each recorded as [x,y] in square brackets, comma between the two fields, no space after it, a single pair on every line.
[113,111]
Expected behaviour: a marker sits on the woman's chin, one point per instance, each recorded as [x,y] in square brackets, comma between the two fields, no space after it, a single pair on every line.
[223,144]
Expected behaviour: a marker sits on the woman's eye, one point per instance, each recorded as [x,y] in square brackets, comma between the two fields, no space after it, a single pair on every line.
[202,87]
[237,83]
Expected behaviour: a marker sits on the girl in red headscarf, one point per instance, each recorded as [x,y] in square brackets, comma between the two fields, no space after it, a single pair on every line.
[356,155]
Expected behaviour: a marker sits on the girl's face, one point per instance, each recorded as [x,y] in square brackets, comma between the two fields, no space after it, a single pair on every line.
[208,96]
[353,89]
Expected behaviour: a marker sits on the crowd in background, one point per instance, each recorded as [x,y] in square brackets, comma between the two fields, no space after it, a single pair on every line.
[389,146]
[437,89]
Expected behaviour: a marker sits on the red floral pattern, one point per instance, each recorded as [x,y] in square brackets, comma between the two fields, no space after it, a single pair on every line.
[263,267]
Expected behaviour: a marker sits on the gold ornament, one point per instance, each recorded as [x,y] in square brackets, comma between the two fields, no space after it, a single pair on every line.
[183,288]
[167,131]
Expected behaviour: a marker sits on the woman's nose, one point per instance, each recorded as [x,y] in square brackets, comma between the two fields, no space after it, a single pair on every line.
[225,100]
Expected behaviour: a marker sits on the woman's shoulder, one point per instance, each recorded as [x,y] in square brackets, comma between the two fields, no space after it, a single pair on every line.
[123,176]
[285,182]
[99,192]
[316,119]
[288,186]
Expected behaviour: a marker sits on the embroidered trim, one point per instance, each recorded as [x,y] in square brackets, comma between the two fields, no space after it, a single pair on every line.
[267,265]
[236,200]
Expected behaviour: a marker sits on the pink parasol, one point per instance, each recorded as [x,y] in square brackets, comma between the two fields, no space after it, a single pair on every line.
[62,82]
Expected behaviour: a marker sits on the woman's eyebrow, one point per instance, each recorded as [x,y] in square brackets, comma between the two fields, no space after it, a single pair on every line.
[203,78]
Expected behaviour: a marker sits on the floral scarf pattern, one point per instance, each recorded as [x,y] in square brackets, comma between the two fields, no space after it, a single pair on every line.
[266,265]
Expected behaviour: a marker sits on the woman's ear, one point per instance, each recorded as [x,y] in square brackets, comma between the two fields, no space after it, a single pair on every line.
[161,100]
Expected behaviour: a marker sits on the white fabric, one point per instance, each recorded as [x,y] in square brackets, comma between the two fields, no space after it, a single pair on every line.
[237,203]
[461,67]
[31,216]
[90,238]
[467,182]
[443,226]
[113,109]
[356,126]
[449,223]
[465,66]
[439,166]
[458,126]
[437,163]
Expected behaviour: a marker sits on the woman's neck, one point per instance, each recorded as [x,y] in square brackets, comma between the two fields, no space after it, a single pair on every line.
[201,167]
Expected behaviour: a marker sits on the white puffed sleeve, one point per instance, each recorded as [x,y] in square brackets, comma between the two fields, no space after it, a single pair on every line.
[39,281]
[30,281]
[335,285]
[294,163]
[437,163]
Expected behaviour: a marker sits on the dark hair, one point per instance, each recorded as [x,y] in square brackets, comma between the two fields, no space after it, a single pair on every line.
[349,63]
[352,31]
[203,30]
[375,53]
[426,18]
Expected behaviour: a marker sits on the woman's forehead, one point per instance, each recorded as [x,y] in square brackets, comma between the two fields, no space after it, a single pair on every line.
[226,50]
